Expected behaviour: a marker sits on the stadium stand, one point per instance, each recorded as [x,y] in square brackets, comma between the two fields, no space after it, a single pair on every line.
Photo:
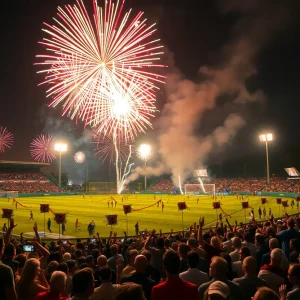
[25,178]
[252,184]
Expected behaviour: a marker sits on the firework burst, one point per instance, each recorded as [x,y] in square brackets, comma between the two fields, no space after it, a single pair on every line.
[106,150]
[6,139]
[42,148]
[97,66]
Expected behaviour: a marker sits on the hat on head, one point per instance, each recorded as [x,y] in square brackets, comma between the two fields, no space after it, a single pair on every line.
[220,288]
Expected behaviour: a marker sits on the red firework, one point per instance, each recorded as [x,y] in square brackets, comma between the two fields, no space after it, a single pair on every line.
[6,139]
[106,149]
[42,148]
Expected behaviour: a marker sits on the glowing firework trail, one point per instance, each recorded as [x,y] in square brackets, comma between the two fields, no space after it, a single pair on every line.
[90,63]
[119,168]
[43,148]
[201,182]
[179,183]
[105,147]
[6,139]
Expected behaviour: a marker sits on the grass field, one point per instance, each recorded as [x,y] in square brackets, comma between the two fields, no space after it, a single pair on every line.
[95,208]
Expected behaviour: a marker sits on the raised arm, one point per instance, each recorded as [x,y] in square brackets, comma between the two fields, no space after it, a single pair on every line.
[147,244]
[200,238]
[7,235]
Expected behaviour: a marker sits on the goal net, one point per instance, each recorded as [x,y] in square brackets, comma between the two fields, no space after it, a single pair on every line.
[102,187]
[199,189]
[9,194]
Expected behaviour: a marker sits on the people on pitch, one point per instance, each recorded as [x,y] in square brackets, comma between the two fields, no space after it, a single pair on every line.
[49,225]
[31,215]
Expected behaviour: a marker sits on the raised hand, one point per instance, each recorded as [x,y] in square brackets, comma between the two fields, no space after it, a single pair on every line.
[35,227]
[201,222]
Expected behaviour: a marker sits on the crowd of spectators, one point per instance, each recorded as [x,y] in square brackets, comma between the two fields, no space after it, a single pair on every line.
[251,184]
[26,182]
[257,261]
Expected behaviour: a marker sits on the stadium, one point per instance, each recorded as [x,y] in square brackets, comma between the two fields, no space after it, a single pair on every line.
[25,187]
[149,150]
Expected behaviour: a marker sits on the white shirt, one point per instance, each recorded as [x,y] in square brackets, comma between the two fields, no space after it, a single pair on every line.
[228,246]
[234,256]
[104,292]
[195,276]
[251,247]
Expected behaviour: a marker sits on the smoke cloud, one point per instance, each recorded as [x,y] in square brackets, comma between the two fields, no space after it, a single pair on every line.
[181,149]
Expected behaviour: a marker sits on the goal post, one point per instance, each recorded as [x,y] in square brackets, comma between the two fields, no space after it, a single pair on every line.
[200,189]
[9,194]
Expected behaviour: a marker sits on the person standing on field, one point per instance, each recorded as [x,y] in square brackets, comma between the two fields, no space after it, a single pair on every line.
[137,228]
[49,225]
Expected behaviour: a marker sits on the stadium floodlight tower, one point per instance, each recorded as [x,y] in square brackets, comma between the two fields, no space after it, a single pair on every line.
[144,153]
[267,137]
[60,147]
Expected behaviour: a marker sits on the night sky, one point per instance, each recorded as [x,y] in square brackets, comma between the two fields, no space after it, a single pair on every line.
[195,34]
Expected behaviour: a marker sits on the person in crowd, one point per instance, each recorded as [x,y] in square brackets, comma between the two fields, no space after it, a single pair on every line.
[83,284]
[294,279]
[227,245]
[249,282]
[275,273]
[8,257]
[236,245]
[140,277]
[32,281]
[217,290]
[129,290]
[218,272]
[212,249]
[286,235]
[114,257]
[237,266]
[102,262]
[265,293]
[132,254]
[21,259]
[151,271]
[295,250]
[262,248]
[52,266]
[57,287]
[106,290]
[173,287]
[266,258]
[183,250]
[193,274]
[7,284]
[249,244]
[156,252]
[71,270]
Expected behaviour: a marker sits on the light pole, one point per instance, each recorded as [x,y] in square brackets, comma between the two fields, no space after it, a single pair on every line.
[267,137]
[144,153]
[60,147]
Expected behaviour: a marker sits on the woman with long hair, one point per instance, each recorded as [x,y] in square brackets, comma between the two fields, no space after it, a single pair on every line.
[32,281]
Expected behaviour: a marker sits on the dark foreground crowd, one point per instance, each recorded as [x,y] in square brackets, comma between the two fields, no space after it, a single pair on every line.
[252,261]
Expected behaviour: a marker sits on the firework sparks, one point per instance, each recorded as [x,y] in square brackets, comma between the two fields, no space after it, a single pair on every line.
[79,157]
[105,148]
[119,169]
[179,183]
[99,69]
[144,152]
[6,139]
[42,148]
